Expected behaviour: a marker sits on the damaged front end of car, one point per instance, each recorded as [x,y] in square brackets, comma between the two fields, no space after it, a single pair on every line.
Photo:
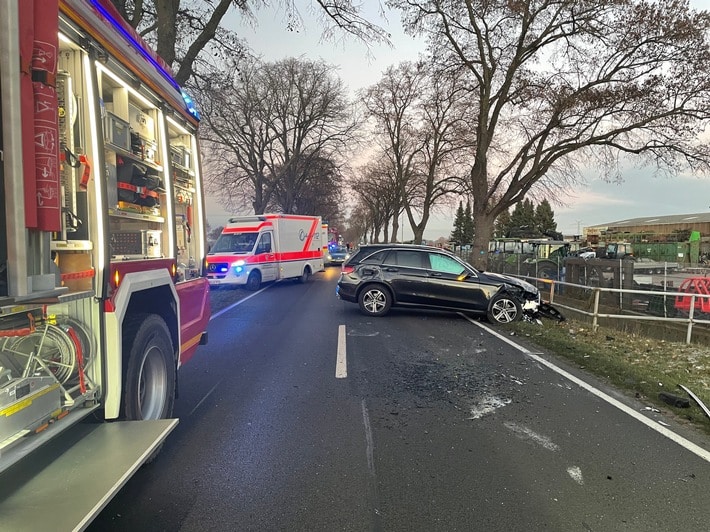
[532,304]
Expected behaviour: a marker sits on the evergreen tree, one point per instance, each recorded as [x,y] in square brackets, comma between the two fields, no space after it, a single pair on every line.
[523,219]
[457,235]
[469,228]
[502,225]
[545,217]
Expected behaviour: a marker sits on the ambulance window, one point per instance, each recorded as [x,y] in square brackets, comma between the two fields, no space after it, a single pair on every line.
[264,244]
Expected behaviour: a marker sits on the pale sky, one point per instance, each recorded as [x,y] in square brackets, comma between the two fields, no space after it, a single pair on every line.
[598,202]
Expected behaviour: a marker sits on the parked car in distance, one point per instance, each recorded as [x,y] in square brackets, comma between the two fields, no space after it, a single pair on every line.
[380,276]
[337,254]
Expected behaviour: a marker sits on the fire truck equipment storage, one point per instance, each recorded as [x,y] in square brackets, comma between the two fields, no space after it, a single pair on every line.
[102,299]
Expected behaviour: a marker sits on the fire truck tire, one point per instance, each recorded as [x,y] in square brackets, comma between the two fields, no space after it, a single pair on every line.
[150,373]
[253,281]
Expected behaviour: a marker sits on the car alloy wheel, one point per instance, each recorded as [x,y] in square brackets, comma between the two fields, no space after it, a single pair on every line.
[503,309]
[375,301]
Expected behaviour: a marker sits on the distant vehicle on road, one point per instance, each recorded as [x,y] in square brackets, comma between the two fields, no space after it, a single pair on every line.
[337,254]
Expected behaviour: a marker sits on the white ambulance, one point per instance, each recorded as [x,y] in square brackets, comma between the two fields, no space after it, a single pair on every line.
[267,247]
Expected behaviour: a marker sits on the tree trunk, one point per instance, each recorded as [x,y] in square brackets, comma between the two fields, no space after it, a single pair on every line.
[395,229]
[483,235]
[418,234]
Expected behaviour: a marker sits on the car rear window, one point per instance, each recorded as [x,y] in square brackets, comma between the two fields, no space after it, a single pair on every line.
[406,258]
[375,258]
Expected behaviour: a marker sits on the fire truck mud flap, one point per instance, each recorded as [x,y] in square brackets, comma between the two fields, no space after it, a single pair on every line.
[64,486]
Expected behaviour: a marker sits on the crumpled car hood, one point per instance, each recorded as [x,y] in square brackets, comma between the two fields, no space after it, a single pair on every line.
[512,281]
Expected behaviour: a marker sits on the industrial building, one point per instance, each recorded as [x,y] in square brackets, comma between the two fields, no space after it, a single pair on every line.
[687,235]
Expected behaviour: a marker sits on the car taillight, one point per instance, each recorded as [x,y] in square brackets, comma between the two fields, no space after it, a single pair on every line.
[347,269]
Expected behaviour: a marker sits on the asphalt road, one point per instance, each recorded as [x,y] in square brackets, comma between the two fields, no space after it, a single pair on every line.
[437,425]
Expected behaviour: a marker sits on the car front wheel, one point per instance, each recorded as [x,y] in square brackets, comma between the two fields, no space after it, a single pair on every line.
[375,301]
[504,309]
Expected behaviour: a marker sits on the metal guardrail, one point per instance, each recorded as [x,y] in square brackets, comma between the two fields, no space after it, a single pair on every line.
[595,314]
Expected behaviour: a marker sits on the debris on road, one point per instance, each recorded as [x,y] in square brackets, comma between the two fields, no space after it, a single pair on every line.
[674,400]
[696,399]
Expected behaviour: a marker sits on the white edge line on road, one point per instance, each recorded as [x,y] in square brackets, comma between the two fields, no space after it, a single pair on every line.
[230,307]
[341,361]
[689,445]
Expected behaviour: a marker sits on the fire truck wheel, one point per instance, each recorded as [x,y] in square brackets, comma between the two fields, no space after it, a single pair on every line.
[305,275]
[150,373]
[254,281]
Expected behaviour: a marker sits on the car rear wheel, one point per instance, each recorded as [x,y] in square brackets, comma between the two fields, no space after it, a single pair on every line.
[504,309]
[375,300]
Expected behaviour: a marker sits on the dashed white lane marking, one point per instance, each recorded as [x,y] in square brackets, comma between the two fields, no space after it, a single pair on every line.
[687,444]
[341,361]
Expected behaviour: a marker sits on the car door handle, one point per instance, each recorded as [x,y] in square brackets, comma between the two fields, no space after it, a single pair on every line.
[436,274]
[391,269]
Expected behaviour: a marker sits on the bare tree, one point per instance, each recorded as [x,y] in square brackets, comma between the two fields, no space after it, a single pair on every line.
[391,103]
[184,31]
[316,189]
[377,197]
[276,131]
[566,84]
[420,130]
[237,137]
[357,225]
[445,138]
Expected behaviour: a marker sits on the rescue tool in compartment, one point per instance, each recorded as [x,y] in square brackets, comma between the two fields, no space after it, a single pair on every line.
[101,298]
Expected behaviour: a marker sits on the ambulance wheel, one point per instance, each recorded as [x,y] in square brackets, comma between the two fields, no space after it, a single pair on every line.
[149,376]
[253,281]
[305,275]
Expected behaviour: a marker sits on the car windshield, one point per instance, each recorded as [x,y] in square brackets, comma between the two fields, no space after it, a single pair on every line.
[338,249]
[234,243]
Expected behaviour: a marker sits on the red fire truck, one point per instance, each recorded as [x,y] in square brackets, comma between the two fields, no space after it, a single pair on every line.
[102,297]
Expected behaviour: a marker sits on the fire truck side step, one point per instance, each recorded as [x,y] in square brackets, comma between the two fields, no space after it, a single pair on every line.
[70,482]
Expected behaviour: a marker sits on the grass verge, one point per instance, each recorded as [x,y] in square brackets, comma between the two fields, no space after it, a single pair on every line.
[638,365]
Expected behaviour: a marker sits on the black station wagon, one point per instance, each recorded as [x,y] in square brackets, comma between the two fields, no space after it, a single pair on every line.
[380,276]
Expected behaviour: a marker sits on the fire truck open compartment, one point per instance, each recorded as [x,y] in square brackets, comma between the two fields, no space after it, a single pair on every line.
[101,247]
